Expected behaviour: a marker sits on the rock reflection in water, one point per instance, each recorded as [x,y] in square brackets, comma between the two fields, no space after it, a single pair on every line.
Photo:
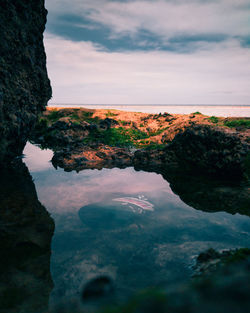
[213,196]
[207,194]
[26,230]
[136,248]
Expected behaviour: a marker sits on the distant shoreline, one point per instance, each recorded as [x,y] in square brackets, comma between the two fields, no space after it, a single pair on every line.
[212,109]
[150,105]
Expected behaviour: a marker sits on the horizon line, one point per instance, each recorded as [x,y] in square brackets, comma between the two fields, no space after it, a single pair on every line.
[106,104]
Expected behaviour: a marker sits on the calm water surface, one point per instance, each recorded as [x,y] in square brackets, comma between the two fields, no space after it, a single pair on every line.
[126,224]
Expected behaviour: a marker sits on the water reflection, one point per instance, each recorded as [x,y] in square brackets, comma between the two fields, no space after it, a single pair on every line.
[26,230]
[98,236]
[90,186]
[207,194]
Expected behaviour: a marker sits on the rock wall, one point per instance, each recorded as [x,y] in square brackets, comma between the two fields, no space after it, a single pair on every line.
[24,84]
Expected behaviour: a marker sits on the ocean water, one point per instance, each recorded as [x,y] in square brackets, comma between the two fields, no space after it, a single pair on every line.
[216,110]
[128,225]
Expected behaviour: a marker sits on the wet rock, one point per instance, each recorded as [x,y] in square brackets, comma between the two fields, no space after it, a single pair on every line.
[99,287]
[141,157]
[211,260]
[91,157]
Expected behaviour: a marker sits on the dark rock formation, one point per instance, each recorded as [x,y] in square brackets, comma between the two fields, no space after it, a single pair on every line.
[99,287]
[63,133]
[92,157]
[213,150]
[24,85]
[26,230]
[107,123]
[211,260]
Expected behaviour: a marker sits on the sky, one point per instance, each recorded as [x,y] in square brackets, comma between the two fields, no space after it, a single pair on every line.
[149,51]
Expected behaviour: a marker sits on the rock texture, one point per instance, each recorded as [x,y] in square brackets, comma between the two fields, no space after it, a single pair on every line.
[26,230]
[214,150]
[24,84]
[98,157]
[83,138]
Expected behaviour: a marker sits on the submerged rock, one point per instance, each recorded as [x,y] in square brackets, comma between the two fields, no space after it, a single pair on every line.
[98,287]
[224,289]
[211,260]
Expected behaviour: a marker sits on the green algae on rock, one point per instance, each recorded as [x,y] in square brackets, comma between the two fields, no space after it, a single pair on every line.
[192,142]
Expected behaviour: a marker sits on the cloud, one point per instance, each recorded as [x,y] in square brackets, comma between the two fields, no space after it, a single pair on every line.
[42,160]
[149,51]
[155,24]
[83,72]
[64,192]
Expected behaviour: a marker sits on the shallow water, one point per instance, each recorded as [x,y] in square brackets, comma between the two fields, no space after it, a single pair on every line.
[148,238]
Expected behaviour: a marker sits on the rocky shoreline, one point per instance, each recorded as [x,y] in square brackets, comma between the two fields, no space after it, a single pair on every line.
[172,145]
[206,163]
[82,139]
[205,160]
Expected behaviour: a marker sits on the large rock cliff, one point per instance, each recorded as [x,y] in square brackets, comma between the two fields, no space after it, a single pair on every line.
[24,84]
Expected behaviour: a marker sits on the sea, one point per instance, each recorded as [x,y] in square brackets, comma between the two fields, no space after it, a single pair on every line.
[216,110]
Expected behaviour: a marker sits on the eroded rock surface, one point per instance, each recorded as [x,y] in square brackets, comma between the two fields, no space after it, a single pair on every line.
[83,138]
[24,84]
[206,165]
[92,157]
[214,150]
